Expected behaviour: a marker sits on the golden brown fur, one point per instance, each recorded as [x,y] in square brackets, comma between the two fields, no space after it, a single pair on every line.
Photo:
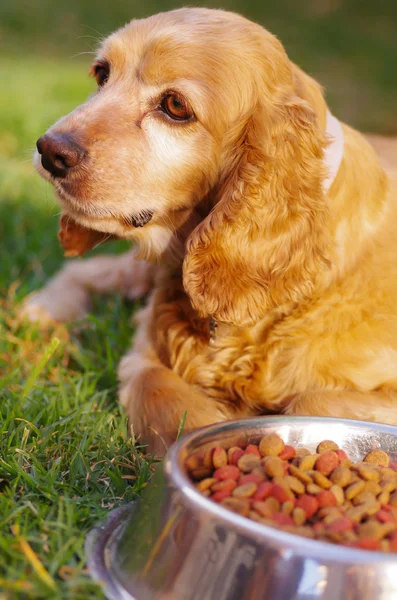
[303,284]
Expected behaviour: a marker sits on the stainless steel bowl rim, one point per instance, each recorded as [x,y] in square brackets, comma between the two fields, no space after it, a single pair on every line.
[294,543]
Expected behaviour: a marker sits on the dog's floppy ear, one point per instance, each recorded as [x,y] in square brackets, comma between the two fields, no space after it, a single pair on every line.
[264,243]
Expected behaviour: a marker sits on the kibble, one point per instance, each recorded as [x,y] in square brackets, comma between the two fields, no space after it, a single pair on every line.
[321,495]
[271,445]
[377,457]
[274,466]
[245,491]
[248,462]
[341,476]
[326,445]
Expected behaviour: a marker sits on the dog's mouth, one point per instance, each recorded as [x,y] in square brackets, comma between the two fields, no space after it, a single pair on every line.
[141,218]
[91,213]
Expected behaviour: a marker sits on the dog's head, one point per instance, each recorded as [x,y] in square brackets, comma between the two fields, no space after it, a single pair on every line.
[201,130]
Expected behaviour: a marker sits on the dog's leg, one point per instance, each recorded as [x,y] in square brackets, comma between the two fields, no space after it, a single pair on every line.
[66,297]
[156,399]
[379,405]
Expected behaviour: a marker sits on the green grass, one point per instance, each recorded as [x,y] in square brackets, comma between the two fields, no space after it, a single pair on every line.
[65,454]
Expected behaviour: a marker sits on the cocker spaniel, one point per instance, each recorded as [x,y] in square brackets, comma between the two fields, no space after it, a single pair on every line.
[265,230]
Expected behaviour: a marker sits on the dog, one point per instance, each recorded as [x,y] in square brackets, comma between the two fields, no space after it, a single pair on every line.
[263,229]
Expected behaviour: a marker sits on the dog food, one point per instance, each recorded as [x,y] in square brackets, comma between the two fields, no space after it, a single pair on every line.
[323,496]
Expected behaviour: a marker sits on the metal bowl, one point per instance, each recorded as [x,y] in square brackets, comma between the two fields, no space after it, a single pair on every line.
[175,544]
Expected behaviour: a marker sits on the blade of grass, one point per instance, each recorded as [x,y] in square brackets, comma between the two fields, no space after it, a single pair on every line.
[34,560]
[39,367]
[181,425]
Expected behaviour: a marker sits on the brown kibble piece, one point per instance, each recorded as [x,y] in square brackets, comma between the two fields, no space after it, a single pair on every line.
[205,484]
[287,507]
[393,499]
[389,474]
[368,472]
[301,475]
[245,491]
[356,513]
[306,463]
[371,529]
[333,515]
[387,485]
[219,458]
[259,471]
[194,461]
[254,516]
[384,497]
[241,506]
[326,445]
[338,493]
[364,496]
[200,473]
[299,516]
[248,462]
[294,484]
[341,476]
[274,466]
[207,458]
[224,484]
[377,457]
[271,445]
[354,489]
[321,480]
[302,452]
[267,508]
[313,488]
[373,487]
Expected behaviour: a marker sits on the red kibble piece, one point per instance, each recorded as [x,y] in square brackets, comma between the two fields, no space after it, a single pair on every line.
[327,462]
[288,453]
[251,449]
[236,456]
[308,503]
[318,527]
[385,517]
[228,472]
[326,498]
[264,491]
[393,466]
[250,478]
[341,454]
[279,493]
[219,496]
[225,484]
[386,507]
[367,543]
[340,525]
[282,519]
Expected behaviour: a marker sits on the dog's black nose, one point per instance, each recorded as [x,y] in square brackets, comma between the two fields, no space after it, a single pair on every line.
[59,153]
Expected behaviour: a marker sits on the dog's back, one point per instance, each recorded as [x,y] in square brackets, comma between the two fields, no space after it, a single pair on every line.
[386,148]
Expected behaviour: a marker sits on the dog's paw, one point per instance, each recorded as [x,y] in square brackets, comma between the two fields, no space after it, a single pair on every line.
[49,306]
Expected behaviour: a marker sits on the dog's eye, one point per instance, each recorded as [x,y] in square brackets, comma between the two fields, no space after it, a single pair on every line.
[101,73]
[175,106]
